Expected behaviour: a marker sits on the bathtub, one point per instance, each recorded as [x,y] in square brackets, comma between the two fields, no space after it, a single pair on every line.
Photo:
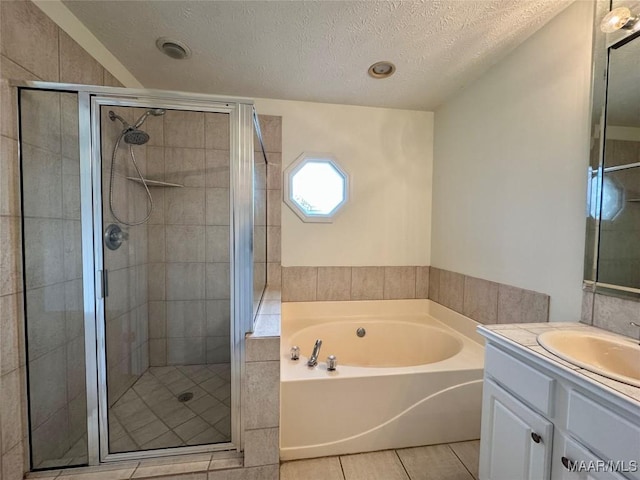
[414,378]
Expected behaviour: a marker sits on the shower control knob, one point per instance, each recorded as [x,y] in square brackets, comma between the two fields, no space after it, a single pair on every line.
[295,352]
[332,363]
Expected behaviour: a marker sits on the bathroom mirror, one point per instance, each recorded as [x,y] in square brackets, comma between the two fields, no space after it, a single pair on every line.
[612,259]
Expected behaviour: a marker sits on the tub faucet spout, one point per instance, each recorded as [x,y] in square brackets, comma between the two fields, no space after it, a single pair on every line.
[313,359]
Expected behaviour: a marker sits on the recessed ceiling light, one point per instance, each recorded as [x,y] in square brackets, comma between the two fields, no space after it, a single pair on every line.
[173,48]
[382,69]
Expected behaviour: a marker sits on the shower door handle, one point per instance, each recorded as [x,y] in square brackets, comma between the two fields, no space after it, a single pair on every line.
[105,283]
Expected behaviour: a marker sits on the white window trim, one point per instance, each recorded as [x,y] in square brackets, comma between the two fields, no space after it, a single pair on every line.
[295,166]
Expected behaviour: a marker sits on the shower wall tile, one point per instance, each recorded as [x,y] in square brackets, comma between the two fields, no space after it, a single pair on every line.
[46,327]
[158,352]
[155,157]
[184,129]
[271,128]
[185,243]
[480,300]
[76,65]
[186,318]
[274,274]
[44,260]
[218,281]
[217,131]
[261,447]
[48,385]
[217,244]
[334,283]
[185,166]
[274,171]
[217,206]
[299,284]
[42,182]
[185,281]
[41,112]
[30,39]
[262,383]
[274,207]
[75,368]
[218,349]
[9,177]
[185,206]
[11,416]
[10,308]
[217,168]
[399,282]
[10,255]
[274,235]
[186,351]
[156,245]
[157,319]
[367,283]
[422,282]
[9,97]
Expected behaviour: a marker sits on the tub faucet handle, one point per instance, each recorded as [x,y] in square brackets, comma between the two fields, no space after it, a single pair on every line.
[295,352]
[313,359]
[332,363]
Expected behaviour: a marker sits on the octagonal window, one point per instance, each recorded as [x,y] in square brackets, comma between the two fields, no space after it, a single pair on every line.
[315,187]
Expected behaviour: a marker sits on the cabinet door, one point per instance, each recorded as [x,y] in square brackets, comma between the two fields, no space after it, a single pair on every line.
[572,461]
[516,442]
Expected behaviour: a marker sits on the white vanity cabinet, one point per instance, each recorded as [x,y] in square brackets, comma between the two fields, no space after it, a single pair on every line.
[541,421]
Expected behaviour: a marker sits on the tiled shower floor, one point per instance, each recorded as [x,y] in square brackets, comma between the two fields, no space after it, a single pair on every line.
[149,414]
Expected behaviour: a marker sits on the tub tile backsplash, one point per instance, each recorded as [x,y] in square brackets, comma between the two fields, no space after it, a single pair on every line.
[367,283]
[334,283]
[482,300]
[399,282]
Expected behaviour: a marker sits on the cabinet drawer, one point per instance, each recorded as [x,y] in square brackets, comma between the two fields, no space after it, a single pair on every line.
[611,436]
[572,461]
[533,387]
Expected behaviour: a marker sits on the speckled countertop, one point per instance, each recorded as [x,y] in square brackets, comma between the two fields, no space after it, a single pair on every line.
[525,335]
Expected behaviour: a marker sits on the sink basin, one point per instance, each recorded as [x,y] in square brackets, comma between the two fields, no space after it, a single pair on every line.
[606,355]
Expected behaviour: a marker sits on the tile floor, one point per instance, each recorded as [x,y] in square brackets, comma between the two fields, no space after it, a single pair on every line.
[453,461]
[149,414]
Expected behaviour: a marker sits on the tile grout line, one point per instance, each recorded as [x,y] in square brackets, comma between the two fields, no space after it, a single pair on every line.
[460,460]
[344,477]
[403,467]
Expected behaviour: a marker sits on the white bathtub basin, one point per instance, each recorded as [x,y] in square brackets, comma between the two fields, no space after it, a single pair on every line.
[386,343]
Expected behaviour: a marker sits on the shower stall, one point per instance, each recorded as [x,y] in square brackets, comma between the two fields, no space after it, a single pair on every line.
[144,245]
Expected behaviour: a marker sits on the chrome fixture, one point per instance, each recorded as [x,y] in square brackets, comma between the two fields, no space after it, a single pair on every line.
[361,332]
[114,236]
[132,135]
[295,352]
[332,363]
[617,19]
[382,70]
[313,359]
[173,48]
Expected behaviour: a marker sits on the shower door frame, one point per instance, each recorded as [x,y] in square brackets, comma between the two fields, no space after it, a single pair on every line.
[241,151]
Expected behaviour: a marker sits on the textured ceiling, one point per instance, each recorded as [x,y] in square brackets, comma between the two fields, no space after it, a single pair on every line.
[317,50]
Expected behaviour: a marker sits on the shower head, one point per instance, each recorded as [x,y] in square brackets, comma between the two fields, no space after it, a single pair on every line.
[134,136]
[156,112]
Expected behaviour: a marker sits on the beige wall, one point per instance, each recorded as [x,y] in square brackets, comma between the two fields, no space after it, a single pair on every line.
[509,174]
[388,154]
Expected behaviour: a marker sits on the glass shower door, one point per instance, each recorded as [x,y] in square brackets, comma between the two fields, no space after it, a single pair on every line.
[167,296]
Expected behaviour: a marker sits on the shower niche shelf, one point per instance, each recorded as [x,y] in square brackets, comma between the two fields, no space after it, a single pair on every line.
[155,183]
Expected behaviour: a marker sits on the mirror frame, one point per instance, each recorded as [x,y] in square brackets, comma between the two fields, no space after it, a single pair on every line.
[602,45]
